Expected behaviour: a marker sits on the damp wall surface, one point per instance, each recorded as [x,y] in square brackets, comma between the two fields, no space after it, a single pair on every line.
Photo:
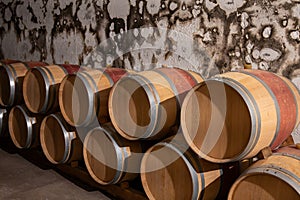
[207,36]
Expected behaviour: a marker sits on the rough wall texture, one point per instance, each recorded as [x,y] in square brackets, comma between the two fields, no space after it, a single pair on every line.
[209,36]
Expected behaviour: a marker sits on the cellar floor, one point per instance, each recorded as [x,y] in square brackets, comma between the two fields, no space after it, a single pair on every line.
[21,180]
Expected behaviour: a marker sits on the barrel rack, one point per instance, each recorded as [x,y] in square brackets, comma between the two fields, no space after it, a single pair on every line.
[76,173]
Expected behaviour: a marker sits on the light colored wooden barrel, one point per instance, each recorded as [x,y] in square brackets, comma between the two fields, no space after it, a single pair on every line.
[146,105]
[41,84]
[109,158]
[84,96]
[24,127]
[277,177]
[170,170]
[234,115]
[3,121]
[11,81]
[60,142]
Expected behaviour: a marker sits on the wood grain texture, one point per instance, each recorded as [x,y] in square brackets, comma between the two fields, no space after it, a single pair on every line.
[11,82]
[286,101]
[280,169]
[60,142]
[246,112]
[24,127]
[40,88]
[147,104]
[109,158]
[83,97]
[170,171]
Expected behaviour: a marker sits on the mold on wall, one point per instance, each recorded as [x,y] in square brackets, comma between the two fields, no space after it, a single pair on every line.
[209,36]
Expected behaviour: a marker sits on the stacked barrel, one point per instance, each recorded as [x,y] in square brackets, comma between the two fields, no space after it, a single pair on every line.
[186,137]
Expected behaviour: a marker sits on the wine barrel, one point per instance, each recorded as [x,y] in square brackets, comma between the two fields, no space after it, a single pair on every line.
[41,84]
[170,170]
[109,158]
[277,177]
[3,122]
[60,142]
[11,81]
[234,115]
[24,127]
[84,95]
[146,105]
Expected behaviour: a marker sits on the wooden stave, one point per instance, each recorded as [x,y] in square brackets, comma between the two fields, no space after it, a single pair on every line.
[252,148]
[285,106]
[122,153]
[196,166]
[252,151]
[8,61]
[73,145]
[33,122]
[156,97]
[52,76]
[94,86]
[16,72]
[278,166]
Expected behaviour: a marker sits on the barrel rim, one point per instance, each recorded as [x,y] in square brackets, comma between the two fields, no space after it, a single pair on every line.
[251,106]
[152,98]
[60,99]
[194,176]
[29,128]
[119,157]
[67,141]
[11,74]
[82,76]
[91,96]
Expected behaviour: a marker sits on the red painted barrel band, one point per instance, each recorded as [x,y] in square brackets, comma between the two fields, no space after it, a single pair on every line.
[182,80]
[115,73]
[9,61]
[286,102]
[33,64]
[71,69]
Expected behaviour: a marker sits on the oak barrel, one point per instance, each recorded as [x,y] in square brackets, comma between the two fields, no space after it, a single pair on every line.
[170,170]
[110,158]
[11,81]
[277,177]
[83,96]
[146,105]
[41,84]
[60,141]
[24,127]
[234,115]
